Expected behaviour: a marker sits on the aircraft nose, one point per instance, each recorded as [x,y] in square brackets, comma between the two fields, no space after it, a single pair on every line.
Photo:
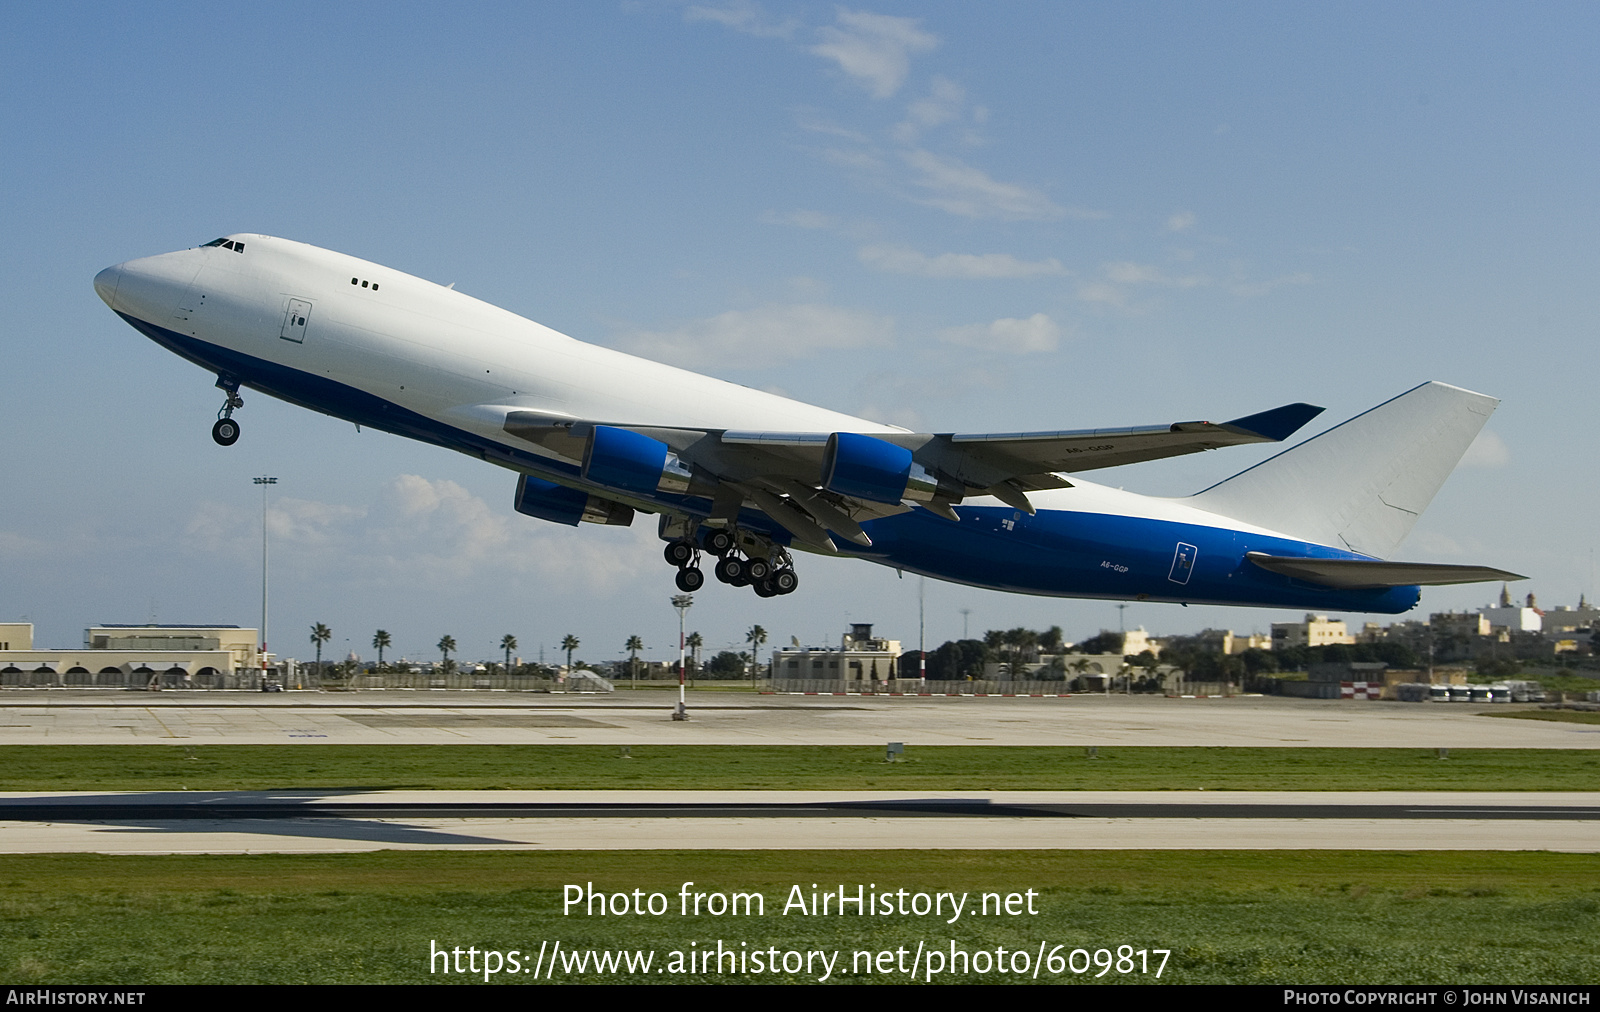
[105,284]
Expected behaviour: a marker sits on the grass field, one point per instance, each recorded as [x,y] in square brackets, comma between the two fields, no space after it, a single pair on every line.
[1245,917]
[1226,916]
[787,767]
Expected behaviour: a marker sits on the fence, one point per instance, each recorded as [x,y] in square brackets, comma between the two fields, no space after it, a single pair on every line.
[915,687]
[250,679]
[578,681]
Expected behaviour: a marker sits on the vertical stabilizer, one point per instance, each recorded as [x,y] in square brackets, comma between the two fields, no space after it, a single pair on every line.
[1360,485]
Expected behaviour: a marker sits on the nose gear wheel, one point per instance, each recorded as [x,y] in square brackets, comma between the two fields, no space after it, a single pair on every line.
[226,431]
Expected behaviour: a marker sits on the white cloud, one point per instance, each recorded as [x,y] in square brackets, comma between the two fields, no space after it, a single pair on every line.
[954,186]
[859,160]
[1488,450]
[744,16]
[809,119]
[1038,333]
[421,532]
[1182,221]
[1123,276]
[766,336]
[873,49]
[1103,292]
[1128,273]
[904,260]
[945,102]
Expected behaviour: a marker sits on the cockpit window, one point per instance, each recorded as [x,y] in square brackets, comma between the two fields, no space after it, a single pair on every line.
[216,242]
[226,243]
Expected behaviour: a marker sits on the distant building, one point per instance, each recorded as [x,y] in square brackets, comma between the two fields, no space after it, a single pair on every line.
[1508,617]
[1314,631]
[188,656]
[1563,620]
[1461,624]
[860,657]
[1226,641]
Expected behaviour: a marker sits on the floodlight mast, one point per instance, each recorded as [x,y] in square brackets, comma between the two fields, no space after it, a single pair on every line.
[264,481]
[682,602]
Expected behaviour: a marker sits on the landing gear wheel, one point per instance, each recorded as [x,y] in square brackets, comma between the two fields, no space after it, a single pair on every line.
[718,543]
[678,553]
[758,569]
[764,589]
[225,432]
[784,581]
[730,569]
[690,579]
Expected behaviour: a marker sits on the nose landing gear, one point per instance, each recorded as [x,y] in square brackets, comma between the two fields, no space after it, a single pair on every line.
[226,431]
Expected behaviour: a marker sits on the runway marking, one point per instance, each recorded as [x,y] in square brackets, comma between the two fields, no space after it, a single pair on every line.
[444,720]
[164,727]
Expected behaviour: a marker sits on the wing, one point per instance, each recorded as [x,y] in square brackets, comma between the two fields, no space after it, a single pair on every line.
[984,460]
[818,484]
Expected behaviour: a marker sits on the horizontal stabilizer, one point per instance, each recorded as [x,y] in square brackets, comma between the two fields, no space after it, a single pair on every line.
[1364,574]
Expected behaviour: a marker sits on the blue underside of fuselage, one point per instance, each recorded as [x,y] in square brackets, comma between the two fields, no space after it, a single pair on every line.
[1058,553]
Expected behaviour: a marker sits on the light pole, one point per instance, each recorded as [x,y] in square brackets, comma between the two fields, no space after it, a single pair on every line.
[682,602]
[264,481]
[922,631]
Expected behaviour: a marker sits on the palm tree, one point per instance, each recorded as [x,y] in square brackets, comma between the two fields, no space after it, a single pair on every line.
[634,645]
[569,643]
[755,637]
[320,634]
[446,644]
[508,643]
[380,639]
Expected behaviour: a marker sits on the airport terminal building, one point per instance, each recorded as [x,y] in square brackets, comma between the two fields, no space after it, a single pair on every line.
[134,656]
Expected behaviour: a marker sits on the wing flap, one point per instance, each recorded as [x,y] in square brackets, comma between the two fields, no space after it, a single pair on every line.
[1366,574]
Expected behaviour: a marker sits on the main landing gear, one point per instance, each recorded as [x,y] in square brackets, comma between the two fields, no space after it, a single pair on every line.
[684,555]
[226,431]
[771,576]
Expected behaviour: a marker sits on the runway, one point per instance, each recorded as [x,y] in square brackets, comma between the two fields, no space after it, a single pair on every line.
[325,822]
[720,718]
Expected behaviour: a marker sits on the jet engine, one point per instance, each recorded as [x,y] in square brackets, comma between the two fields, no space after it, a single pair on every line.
[562,505]
[633,462]
[865,467]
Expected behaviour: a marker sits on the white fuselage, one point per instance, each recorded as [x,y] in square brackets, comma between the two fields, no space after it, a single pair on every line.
[379,347]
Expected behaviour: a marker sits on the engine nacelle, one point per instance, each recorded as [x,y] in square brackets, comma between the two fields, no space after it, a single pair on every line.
[628,460]
[562,505]
[865,467]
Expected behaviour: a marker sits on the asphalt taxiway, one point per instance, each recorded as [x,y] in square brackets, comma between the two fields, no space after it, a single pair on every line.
[331,821]
[721,718]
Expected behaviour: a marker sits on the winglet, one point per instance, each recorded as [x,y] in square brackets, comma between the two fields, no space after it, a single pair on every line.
[1279,423]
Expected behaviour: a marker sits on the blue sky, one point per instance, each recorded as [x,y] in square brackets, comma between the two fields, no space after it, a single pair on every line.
[951,216]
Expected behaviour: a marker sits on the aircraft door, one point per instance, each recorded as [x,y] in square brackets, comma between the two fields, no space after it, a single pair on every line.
[294,321]
[1183,563]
